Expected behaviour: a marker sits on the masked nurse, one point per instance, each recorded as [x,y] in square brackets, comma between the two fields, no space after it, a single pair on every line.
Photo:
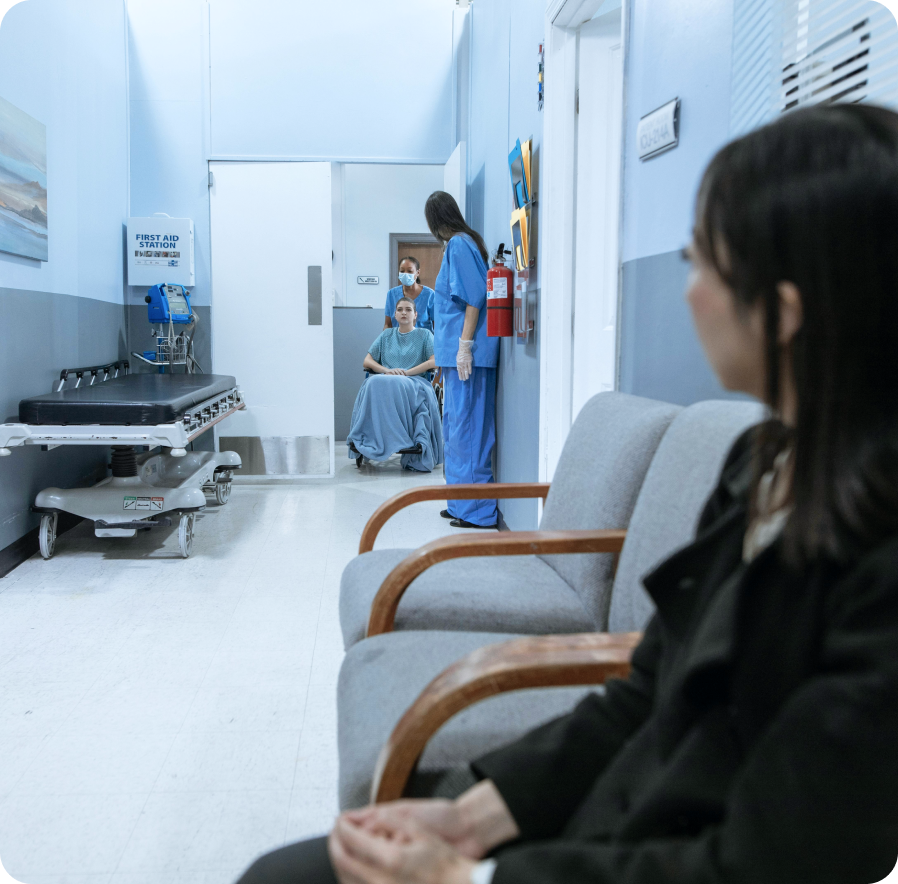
[410,287]
[467,357]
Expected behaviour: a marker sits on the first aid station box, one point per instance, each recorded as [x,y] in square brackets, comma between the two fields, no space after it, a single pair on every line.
[160,250]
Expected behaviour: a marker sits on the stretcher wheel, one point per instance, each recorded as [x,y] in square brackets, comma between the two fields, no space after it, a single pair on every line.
[47,534]
[185,534]
[222,492]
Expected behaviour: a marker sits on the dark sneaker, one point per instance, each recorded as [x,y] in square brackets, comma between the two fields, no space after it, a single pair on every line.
[461,523]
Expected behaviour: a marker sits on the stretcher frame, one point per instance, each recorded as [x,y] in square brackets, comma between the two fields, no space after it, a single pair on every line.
[185,494]
[176,436]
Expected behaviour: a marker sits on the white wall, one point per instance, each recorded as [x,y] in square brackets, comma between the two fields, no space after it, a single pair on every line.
[379,200]
[332,80]
[64,64]
[168,55]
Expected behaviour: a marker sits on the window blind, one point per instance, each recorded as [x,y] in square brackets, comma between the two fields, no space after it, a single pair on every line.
[794,53]
[751,95]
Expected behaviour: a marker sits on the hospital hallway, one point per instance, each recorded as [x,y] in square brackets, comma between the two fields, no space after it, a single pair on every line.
[168,719]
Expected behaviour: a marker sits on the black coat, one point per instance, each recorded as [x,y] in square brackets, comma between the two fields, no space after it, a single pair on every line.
[756,739]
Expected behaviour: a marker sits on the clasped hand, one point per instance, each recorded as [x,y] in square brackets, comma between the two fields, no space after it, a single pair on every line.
[404,842]
[401,371]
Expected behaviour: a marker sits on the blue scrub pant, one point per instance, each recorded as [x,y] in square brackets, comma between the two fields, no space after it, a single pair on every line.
[469,436]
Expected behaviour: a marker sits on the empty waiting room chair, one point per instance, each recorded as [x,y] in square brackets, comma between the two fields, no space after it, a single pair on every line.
[595,486]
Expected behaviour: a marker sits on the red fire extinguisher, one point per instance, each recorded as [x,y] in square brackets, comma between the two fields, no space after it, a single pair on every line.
[499,296]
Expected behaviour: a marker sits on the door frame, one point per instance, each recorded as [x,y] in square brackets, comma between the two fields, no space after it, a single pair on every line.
[558,198]
[396,238]
[597,249]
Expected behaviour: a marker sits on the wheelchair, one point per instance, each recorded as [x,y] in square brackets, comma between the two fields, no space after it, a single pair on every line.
[436,382]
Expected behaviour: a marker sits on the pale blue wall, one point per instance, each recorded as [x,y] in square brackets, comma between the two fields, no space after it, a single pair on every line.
[63,62]
[505,38]
[677,48]
[168,54]
[344,79]
[290,80]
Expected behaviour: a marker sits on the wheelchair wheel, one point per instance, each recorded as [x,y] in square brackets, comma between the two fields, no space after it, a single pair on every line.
[185,534]
[358,461]
[47,534]
[438,390]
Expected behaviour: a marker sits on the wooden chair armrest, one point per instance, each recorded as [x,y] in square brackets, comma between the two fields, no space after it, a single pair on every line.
[491,491]
[503,543]
[537,662]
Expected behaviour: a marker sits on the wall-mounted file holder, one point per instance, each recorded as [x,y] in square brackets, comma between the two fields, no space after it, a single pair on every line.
[520,167]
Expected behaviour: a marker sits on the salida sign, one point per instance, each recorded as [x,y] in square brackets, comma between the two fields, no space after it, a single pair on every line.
[659,130]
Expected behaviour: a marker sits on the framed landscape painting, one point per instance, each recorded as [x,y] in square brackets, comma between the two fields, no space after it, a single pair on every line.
[23,183]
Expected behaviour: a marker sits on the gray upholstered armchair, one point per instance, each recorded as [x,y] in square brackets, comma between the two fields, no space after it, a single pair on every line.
[434,700]
[517,581]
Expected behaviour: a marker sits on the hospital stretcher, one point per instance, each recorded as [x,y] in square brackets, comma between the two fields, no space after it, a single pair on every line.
[108,406]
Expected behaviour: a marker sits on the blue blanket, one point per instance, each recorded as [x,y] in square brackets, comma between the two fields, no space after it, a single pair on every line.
[393,412]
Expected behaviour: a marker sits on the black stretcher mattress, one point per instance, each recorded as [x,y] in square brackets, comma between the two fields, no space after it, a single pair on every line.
[137,399]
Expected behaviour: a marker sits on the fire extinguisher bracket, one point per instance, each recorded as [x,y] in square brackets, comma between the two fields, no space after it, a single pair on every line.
[523,307]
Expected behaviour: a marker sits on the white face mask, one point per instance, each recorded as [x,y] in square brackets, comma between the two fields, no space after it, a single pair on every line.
[407,279]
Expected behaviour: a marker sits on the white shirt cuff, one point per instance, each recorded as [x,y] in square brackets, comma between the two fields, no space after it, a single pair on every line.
[482,873]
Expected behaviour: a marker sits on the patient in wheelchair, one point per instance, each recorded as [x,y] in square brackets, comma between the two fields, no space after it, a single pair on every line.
[396,410]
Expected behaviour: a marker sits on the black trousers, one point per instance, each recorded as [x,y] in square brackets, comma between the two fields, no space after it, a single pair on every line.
[305,862]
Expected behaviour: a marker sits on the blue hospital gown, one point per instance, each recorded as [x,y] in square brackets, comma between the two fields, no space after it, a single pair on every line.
[392,349]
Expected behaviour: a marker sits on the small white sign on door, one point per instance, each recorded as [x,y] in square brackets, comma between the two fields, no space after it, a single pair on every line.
[659,131]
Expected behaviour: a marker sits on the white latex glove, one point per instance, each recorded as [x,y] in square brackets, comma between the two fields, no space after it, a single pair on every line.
[464,361]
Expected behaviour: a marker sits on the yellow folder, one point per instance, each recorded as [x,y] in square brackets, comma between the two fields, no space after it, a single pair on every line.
[520,236]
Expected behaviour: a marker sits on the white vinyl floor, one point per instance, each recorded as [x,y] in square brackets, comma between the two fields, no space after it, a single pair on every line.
[164,721]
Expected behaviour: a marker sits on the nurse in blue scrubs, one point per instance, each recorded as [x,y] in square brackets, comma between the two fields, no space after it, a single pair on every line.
[467,357]
[410,287]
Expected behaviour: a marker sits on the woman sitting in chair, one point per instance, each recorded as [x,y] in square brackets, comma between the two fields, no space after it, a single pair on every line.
[396,409]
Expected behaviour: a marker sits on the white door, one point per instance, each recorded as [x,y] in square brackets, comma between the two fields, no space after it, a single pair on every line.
[271,313]
[598,170]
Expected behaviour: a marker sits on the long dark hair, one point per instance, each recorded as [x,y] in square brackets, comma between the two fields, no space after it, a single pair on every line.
[445,219]
[813,199]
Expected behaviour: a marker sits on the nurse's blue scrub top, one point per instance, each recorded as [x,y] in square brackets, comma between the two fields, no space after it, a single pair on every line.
[461,281]
[423,307]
